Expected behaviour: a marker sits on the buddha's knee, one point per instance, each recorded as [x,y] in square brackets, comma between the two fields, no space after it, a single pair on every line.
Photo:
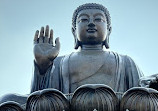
[94,98]
[47,100]
[21,99]
[140,99]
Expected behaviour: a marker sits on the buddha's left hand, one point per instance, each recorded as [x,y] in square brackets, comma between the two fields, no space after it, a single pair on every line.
[154,83]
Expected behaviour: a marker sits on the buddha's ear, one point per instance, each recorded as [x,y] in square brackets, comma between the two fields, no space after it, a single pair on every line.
[73,32]
[109,30]
[76,44]
[106,42]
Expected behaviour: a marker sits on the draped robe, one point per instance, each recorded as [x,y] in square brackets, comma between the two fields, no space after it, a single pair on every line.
[127,74]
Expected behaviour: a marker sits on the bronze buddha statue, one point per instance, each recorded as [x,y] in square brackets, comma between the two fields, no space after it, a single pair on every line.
[91,64]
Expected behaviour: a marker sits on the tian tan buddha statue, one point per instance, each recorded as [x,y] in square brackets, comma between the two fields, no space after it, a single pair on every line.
[90,79]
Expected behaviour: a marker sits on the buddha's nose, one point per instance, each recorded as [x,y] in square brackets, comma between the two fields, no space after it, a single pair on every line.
[91,24]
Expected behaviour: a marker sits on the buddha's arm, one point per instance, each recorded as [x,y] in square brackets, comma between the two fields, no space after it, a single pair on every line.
[50,79]
[45,53]
[44,50]
[133,73]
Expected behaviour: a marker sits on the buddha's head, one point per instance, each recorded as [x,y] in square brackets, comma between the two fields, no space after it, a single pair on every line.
[91,25]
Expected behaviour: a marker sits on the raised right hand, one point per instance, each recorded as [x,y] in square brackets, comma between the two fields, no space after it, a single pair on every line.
[44,50]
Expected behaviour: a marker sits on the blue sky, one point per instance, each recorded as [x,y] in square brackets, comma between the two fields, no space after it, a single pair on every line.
[134,33]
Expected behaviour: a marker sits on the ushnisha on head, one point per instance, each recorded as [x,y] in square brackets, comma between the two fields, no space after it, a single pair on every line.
[88,20]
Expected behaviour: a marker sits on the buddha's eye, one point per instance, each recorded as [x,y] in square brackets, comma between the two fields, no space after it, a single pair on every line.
[99,20]
[84,20]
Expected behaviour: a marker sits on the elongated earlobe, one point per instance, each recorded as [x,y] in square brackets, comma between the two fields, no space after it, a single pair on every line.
[77,43]
[106,43]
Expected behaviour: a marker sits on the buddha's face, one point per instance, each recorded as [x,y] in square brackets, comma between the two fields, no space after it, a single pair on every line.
[91,27]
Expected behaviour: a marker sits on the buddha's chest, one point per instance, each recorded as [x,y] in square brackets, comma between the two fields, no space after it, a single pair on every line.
[85,66]
[90,69]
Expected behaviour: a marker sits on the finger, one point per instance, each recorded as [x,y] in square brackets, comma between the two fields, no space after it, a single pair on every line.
[51,37]
[46,34]
[57,43]
[41,35]
[47,31]
[36,37]
[42,32]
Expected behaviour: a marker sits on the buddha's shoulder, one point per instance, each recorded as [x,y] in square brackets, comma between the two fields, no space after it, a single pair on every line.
[111,55]
[120,57]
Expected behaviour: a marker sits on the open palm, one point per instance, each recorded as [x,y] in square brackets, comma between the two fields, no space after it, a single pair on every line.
[44,50]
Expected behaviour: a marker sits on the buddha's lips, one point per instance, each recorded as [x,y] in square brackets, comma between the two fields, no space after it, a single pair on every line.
[91,30]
